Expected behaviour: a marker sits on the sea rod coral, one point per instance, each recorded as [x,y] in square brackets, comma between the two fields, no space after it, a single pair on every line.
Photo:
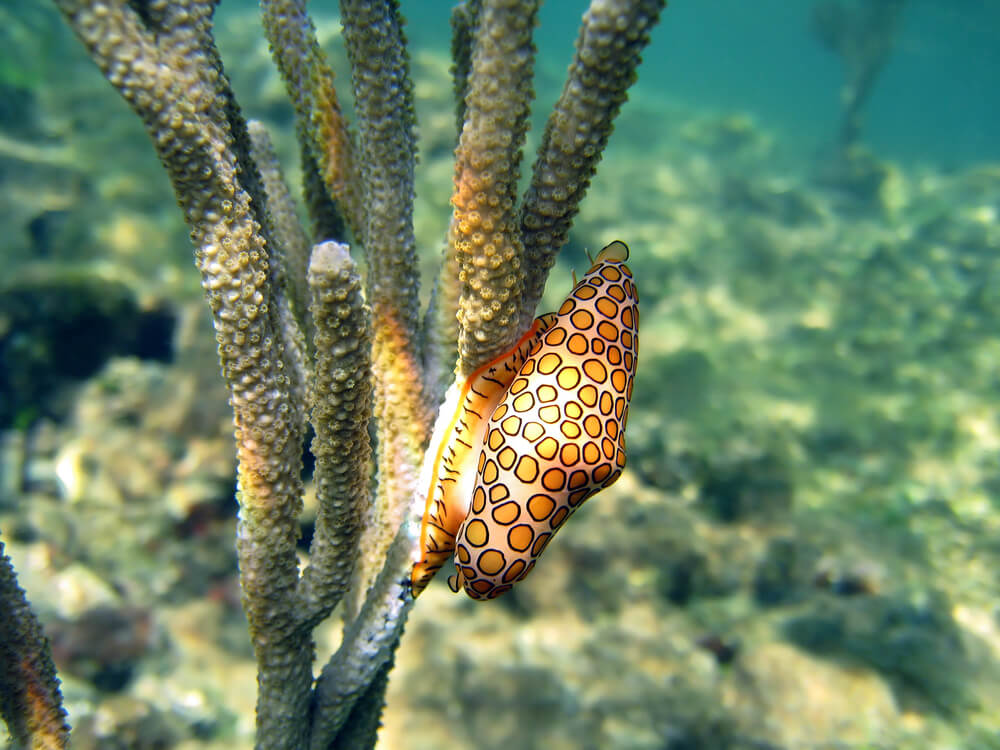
[302,340]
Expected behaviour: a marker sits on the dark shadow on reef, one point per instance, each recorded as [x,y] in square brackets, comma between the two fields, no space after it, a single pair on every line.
[58,327]
[917,646]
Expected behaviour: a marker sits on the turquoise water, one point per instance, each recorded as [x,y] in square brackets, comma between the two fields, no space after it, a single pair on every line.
[936,101]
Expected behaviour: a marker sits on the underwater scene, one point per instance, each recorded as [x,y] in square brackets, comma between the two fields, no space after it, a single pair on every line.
[803,549]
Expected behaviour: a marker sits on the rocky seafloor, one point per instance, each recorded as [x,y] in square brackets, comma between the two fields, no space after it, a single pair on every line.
[802,553]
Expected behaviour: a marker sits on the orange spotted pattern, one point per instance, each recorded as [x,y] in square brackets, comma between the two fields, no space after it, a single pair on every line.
[558,435]
[454,470]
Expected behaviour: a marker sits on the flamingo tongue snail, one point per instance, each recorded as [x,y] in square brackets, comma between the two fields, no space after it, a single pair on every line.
[461,424]
[533,434]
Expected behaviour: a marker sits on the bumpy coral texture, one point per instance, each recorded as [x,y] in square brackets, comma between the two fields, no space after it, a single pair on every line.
[341,410]
[309,80]
[484,231]
[578,130]
[165,65]
[383,94]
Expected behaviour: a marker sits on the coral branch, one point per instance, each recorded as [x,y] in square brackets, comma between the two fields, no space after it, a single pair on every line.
[608,49]
[288,257]
[484,234]
[30,701]
[384,101]
[166,66]
[464,22]
[319,121]
[368,643]
[441,329]
[341,411]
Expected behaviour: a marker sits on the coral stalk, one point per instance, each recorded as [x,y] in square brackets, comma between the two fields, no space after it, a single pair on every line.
[373,35]
[165,65]
[608,49]
[321,125]
[484,234]
[30,701]
[341,410]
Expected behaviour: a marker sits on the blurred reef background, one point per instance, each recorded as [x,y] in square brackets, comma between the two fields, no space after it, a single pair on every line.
[804,551]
